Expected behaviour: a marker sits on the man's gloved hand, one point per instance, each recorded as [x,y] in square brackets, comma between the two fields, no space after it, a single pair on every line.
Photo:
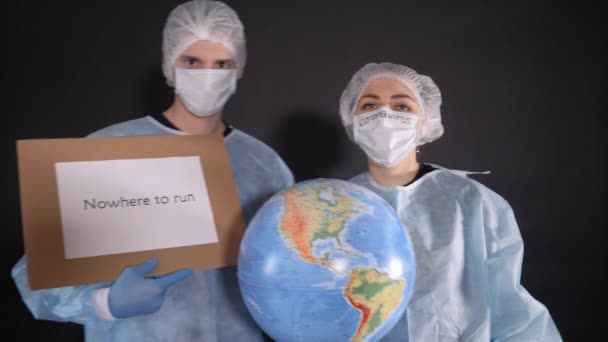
[133,294]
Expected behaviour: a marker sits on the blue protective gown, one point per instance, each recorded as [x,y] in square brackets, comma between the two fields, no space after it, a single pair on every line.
[204,307]
[469,252]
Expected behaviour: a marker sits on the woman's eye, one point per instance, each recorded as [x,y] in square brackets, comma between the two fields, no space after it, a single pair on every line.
[222,65]
[402,108]
[368,106]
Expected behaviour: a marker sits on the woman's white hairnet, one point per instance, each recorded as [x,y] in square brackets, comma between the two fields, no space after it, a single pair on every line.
[426,91]
[202,20]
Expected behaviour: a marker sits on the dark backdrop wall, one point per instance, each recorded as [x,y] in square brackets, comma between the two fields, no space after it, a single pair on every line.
[523,86]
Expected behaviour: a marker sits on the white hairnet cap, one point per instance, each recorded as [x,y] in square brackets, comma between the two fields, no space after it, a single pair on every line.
[202,20]
[426,91]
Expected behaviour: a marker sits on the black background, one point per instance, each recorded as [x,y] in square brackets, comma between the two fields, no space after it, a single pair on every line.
[523,86]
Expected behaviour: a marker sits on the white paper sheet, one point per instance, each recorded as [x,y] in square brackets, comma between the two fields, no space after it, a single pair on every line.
[120,206]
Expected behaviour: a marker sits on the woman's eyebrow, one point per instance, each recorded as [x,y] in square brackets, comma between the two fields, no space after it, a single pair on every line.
[401,96]
[373,96]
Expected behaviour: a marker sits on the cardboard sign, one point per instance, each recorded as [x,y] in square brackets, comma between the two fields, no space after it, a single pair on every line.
[92,206]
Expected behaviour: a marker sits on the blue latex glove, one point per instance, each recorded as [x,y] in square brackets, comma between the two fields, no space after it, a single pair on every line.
[133,294]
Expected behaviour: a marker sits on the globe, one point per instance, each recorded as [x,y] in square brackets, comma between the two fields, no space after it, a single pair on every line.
[326,260]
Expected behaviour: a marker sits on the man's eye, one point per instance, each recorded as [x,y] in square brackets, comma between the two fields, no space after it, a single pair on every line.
[227,64]
[190,61]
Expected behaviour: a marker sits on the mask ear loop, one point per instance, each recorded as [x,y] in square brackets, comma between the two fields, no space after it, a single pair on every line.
[420,134]
[420,126]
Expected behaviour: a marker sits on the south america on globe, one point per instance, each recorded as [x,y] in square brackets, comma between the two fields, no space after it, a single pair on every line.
[326,260]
